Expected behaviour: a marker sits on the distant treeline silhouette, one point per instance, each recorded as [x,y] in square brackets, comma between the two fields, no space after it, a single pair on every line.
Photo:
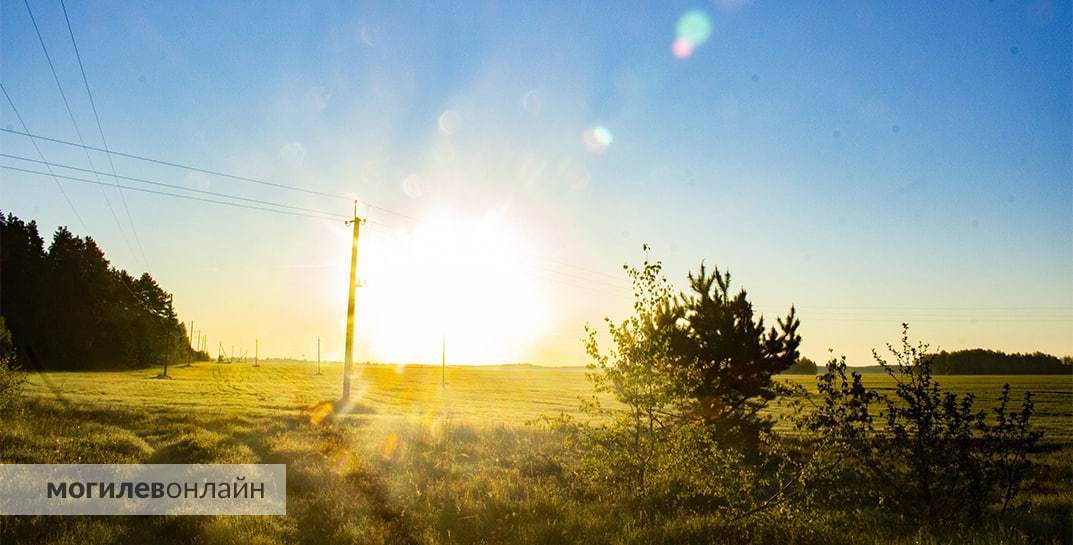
[803,366]
[68,308]
[979,361]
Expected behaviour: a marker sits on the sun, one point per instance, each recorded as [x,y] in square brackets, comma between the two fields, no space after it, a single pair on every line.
[449,278]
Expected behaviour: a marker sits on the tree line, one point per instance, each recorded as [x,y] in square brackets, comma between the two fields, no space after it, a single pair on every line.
[68,308]
[979,361]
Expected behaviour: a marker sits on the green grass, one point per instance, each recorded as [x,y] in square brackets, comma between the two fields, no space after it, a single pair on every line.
[411,462]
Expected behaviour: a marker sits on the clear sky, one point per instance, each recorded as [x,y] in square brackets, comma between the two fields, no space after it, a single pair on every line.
[871,163]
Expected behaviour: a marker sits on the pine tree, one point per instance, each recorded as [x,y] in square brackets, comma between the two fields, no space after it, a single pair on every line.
[723,356]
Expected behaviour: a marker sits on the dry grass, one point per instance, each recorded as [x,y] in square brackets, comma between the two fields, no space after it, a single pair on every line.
[410,462]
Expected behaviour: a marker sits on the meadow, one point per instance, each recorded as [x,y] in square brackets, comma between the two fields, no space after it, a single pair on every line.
[409,460]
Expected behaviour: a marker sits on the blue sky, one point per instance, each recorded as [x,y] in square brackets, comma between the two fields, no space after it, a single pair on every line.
[870,163]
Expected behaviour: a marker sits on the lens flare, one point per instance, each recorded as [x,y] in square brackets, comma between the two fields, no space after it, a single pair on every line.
[682,48]
[532,102]
[391,447]
[412,187]
[597,139]
[320,413]
[449,122]
[693,29]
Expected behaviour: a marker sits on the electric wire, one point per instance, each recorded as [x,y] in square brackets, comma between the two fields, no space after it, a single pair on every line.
[41,154]
[208,171]
[74,122]
[178,187]
[174,195]
[104,141]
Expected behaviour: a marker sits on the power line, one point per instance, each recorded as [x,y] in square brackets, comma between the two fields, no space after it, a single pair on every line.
[588,279]
[211,172]
[266,183]
[572,266]
[74,122]
[100,131]
[176,195]
[596,285]
[173,186]
[42,155]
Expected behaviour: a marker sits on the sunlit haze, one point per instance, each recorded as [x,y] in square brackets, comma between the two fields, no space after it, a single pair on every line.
[872,165]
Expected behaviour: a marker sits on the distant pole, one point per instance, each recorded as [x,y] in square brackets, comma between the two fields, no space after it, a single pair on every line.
[167,356]
[318,355]
[443,360]
[232,358]
[256,351]
[348,361]
[190,345]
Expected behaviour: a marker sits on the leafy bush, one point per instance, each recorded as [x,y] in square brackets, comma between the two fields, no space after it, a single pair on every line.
[926,453]
[685,371]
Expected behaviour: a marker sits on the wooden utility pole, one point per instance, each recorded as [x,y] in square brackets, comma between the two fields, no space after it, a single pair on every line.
[190,352]
[256,352]
[167,356]
[348,360]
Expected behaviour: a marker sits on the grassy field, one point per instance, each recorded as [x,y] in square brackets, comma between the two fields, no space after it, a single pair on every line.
[410,461]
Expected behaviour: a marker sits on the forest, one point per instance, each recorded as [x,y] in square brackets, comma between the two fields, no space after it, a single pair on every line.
[68,308]
[979,361]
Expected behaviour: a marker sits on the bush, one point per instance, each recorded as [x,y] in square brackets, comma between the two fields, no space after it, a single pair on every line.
[932,456]
[663,450]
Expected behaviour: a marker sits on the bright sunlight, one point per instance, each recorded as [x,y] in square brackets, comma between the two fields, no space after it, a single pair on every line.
[459,279]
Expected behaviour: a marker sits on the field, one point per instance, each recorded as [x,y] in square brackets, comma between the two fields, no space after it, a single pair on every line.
[409,462]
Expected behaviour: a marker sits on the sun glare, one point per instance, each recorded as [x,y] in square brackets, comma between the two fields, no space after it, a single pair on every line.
[449,278]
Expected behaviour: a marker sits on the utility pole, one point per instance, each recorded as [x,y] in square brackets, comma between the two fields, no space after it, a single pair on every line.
[171,350]
[348,361]
[256,352]
[190,348]
[318,355]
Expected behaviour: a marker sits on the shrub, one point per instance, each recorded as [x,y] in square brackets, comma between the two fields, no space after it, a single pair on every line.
[932,455]
[663,449]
